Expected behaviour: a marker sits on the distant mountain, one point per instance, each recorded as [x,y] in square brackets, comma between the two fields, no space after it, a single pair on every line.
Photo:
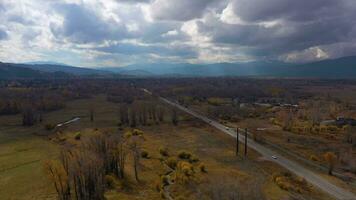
[44,63]
[334,68]
[344,67]
[66,69]
[17,71]
[201,70]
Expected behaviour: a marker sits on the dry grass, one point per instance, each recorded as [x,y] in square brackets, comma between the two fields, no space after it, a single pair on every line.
[23,150]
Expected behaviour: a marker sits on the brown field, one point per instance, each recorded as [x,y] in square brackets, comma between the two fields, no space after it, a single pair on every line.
[23,151]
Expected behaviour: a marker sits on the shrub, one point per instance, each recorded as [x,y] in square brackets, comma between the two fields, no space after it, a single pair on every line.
[77,136]
[165,180]
[110,181]
[172,162]
[163,151]
[144,154]
[332,128]
[49,127]
[314,158]
[202,168]
[62,138]
[186,168]
[184,155]
[193,159]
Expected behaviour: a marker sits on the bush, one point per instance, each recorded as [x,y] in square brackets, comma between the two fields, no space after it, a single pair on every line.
[186,168]
[332,128]
[184,155]
[77,136]
[110,181]
[49,127]
[163,151]
[193,159]
[144,154]
[165,180]
[172,162]
[314,158]
[202,168]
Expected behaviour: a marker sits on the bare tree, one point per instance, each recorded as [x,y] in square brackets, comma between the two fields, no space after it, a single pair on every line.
[174,117]
[133,116]
[28,117]
[134,142]
[91,114]
[160,113]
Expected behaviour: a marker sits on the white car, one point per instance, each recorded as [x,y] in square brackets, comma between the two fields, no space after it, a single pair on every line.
[274,157]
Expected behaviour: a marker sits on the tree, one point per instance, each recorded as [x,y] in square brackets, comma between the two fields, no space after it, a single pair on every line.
[174,117]
[124,114]
[134,142]
[160,113]
[28,117]
[133,117]
[59,176]
[331,159]
[91,113]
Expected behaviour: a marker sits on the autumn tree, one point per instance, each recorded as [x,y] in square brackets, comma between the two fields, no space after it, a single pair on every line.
[59,177]
[331,159]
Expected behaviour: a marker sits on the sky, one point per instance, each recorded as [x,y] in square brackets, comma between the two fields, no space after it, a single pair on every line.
[108,33]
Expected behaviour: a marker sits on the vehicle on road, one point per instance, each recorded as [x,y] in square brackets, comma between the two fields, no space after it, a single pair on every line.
[274,157]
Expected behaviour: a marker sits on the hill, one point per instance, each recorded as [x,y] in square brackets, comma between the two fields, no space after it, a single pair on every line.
[45,67]
[16,71]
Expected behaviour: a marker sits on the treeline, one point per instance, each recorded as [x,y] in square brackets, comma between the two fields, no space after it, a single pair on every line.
[243,89]
[145,113]
[86,171]
[32,98]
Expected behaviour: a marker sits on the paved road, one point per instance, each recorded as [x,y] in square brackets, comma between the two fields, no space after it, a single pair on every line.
[69,122]
[311,177]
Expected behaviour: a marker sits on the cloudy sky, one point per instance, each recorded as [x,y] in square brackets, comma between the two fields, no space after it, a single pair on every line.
[121,32]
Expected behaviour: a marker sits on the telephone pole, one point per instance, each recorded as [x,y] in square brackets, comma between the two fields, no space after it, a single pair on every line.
[237,141]
[245,142]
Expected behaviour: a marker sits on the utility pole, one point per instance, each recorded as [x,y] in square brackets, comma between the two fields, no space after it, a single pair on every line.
[245,142]
[237,141]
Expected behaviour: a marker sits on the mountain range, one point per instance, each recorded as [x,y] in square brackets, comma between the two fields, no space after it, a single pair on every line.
[344,67]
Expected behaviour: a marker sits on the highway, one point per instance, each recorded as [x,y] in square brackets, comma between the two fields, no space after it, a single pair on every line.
[311,177]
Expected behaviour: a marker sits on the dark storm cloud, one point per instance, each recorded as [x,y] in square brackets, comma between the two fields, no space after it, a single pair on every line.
[84,26]
[291,10]
[298,25]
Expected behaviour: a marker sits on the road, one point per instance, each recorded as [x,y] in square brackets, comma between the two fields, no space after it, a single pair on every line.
[308,175]
[69,122]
